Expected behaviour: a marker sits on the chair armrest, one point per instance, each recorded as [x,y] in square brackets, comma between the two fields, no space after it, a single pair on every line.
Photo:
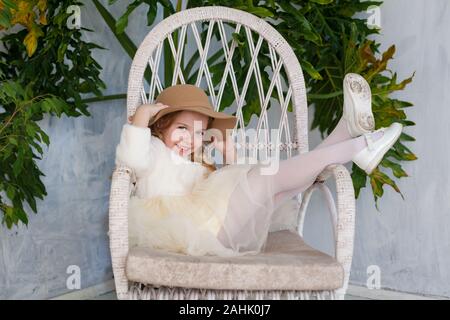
[118,227]
[343,215]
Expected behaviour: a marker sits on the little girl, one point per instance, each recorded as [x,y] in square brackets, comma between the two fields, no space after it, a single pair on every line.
[185,205]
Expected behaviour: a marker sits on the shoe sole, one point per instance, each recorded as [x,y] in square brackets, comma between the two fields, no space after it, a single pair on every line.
[379,157]
[350,111]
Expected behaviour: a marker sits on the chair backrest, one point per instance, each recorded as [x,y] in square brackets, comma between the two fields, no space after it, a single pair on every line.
[284,63]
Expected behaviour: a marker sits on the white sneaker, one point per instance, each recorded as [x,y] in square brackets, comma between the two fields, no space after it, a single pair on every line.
[370,157]
[357,105]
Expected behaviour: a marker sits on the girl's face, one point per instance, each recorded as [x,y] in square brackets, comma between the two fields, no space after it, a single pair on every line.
[187,127]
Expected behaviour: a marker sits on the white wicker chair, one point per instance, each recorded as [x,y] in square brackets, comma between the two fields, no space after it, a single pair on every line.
[166,276]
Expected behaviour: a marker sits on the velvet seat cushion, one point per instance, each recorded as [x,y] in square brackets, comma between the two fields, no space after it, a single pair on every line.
[287,263]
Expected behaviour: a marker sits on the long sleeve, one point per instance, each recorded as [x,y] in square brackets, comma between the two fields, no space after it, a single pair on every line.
[135,148]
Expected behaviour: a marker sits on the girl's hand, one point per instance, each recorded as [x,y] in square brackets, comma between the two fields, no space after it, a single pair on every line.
[145,112]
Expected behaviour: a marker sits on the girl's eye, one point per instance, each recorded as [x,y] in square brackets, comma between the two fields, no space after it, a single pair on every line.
[181,127]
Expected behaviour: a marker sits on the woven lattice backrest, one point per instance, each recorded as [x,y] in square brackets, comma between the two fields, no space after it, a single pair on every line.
[263,77]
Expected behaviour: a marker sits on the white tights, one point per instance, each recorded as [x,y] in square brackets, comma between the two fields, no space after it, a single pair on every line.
[294,175]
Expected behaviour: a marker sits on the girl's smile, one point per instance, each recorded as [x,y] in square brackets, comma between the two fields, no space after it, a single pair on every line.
[185,134]
[183,149]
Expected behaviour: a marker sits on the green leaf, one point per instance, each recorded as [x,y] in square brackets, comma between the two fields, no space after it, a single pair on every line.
[124,40]
[401,104]
[396,168]
[251,108]
[17,166]
[261,12]
[11,89]
[306,29]
[406,137]
[21,215]
[9,212]
[168,5]
[320,96]
[13,141]
[151,13]
[10,192]
[240,40]
[5,18]
[62,51]
[122,23]
[32,202]
[403,153]
[37,147]
[378,179]
[322,1]
[10,4]
[44,137]
[359,178]
[46,105]
[311,71]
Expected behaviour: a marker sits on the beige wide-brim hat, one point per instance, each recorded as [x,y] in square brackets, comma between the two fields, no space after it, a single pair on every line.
[192,98]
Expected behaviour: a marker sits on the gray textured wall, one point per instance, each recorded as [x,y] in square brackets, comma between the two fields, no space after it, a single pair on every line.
[408,240]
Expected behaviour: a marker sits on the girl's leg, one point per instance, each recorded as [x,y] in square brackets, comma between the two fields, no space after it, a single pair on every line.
[246,220]
[300,171]
[339,134]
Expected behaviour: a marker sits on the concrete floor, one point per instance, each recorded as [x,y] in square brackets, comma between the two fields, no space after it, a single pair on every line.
[105,291]
[353,293]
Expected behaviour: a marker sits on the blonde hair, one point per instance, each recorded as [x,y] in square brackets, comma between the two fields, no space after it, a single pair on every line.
[158,127]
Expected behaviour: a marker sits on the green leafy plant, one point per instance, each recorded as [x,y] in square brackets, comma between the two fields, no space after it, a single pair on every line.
[24,13]
[42,72]
[20,145]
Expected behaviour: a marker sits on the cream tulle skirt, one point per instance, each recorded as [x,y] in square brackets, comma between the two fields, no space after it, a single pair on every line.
[221,216]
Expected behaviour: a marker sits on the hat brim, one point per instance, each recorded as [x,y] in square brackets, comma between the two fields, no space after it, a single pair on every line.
[222,121]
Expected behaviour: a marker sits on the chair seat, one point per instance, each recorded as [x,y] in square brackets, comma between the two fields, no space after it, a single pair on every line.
[287,263]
